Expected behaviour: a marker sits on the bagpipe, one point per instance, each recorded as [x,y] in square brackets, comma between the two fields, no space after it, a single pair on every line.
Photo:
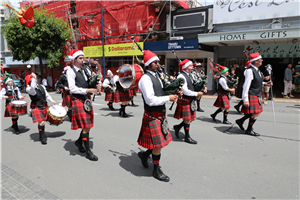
[93,78]
[170,84]
[199,80]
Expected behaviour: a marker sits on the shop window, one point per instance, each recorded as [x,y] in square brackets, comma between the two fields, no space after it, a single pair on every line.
[2,12]
[2,19]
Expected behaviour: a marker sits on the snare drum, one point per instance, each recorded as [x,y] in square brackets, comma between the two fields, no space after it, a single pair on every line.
[55,115]
[130,75]
[19,107]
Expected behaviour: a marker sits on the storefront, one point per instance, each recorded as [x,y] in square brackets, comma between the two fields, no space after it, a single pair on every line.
[184,49]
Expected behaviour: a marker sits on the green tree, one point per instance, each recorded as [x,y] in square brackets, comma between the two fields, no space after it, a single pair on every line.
[45,40]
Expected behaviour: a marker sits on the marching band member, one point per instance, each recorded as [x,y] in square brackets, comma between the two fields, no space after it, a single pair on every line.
[199,71]
[83,117]
[132,93]
[9,93]
[108,85]
[121,95]
[63,85]
[252,91]
[151,136]
[224,91]
[38,95]
[184,107]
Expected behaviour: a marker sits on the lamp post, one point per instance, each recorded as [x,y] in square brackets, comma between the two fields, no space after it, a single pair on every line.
[103,54]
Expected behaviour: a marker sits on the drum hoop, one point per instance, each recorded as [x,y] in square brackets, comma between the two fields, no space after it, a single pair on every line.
[55,117]
[19,105]
[133,75]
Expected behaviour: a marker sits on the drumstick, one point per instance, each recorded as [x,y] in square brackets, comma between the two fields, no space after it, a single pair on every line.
[22,97]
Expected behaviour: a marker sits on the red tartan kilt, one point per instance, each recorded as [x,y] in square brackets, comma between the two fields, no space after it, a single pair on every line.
[121,96]
[81,118]
[38,114]
[152,137]
[7,112]
[132,92]
[254,106]
[109,96]
[183,110]
[222,101]
[67,99]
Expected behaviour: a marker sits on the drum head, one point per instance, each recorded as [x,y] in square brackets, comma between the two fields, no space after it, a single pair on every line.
[57,111]
[126,76]
[18,102]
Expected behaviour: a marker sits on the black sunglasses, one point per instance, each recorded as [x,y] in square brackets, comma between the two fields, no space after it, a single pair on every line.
[155,62]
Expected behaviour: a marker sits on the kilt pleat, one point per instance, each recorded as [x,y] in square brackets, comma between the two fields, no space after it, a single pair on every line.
[183,110]
[151,136]
[38,114]
[109,95]
[254,106]
[222,101]
[67,99]
[81,118]
[121,96]
[7,112]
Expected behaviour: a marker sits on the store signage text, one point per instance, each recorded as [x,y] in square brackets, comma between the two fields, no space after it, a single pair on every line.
[263,35]
[174,45]
[282,50]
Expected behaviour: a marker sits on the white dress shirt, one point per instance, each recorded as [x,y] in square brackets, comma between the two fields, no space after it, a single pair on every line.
[3,92]
[115,79]
[31,89]
[184,88]
[71,81]
[248,79]
[106,82]
[146,86]
[223,82]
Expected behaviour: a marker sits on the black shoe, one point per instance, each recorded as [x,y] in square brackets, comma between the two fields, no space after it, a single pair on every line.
[158,174]
[124,114]
[200,110]
[78,143]
[43,140]
[143,159]
[226,122]
[111,108]
[190,140]
[177,129]
[213,117]
[91,156]
[237,108]
[16,129]
[240,124]
[252,133]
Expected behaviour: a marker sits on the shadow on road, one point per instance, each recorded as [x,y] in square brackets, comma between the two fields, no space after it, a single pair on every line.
[209,119]
[73,149]
[36,136]
[116,114]
[132,164]
[22,129]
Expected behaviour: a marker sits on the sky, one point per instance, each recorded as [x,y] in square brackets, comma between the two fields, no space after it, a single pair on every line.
[15,3]
[206,2]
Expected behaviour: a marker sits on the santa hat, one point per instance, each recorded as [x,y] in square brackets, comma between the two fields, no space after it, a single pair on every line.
[248,63]
[184,64]
[75,53]
[28,79]
[109,72]
[254,56]
[149,57]
[197,64]
[8,79]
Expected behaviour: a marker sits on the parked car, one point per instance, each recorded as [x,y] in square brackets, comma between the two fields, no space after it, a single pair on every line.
[17,81]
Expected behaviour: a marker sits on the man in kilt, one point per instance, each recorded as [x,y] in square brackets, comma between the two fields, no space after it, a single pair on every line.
[108,85]
[240,87]
[39,96]
[121,95]
[63,85]
[151,136]
[132,93]
[9,93]
[199,71]
[252,91]
[222,100]
[186,108]
[82,117]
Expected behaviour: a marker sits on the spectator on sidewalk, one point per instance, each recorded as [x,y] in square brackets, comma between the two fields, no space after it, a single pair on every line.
[295,75]
[288,77]
[44,82]
[50,82]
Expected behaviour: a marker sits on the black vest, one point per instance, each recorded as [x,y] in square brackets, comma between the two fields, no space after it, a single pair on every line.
[256,83]
[190,84]
[221,89]
[40,98]
[11,92]
[80,82]
[119,87]
[157,92]
[64,80]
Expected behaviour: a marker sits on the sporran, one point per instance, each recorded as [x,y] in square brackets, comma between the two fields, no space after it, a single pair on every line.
[193,105]
[87,105]
[165,126]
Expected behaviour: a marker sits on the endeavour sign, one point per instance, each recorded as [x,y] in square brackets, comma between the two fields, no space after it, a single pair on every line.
[280,50]
[228,11]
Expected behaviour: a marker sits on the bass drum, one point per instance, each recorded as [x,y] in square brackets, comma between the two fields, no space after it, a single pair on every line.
[130,75]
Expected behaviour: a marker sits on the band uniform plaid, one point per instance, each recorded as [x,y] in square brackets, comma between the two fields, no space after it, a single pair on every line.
[151,136]
[254,106]
[38,114]
[132,92]
[222,101]
[81,118]
[67,99]
[8,109]
[183,109]
[109,95]
[121,96]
